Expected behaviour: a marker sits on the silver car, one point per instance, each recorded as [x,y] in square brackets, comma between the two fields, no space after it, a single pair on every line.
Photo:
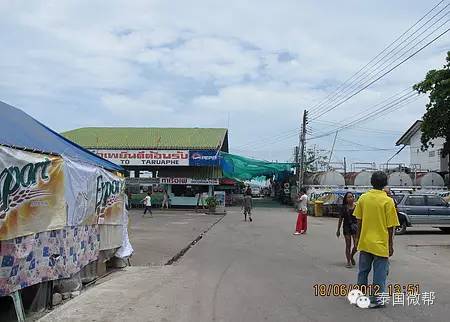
[418,209]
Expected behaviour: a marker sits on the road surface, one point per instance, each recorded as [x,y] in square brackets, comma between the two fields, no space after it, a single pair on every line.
[259,271]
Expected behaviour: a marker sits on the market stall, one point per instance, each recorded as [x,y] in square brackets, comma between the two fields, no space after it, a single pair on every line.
[62,208]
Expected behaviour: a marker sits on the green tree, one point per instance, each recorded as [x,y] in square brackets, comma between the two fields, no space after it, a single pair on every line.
[436,120]
[315,160]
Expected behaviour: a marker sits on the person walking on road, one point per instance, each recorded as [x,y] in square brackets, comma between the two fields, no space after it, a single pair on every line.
[148,204]
[248,204]
[349,227]
[377,217]
[165,202]
[302,219]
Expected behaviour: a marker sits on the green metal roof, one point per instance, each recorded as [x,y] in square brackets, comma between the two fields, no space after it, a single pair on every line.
[149,138]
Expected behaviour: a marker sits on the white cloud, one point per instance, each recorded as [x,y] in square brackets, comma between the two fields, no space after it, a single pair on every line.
[268,98]
[257,63]
[206,58]
[149,103]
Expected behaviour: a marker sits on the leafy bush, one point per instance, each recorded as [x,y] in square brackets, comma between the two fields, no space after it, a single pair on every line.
[211,202]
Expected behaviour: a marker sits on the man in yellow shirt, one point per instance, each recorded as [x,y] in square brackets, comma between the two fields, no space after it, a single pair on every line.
[377,217]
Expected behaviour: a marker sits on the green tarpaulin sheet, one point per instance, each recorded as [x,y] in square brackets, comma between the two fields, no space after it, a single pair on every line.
[242,168]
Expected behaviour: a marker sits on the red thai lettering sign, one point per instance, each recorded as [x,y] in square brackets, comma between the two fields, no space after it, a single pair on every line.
[146,157]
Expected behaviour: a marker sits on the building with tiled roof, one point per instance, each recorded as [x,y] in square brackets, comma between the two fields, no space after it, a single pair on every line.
[184,161]
[150,138]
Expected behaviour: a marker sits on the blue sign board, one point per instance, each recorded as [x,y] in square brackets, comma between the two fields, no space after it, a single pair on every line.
[203,158]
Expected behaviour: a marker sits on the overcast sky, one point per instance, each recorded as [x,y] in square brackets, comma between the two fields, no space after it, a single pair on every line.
[251,66]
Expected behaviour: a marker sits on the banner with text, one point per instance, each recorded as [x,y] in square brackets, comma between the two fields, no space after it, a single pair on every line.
[93,195]
[146,157]
[80,193]
[109,198]
[31,193]
[190,181]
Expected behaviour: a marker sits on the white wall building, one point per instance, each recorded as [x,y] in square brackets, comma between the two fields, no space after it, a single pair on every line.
[429,160]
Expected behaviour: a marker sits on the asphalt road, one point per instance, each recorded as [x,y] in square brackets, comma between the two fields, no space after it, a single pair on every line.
[157,239]
[259,271]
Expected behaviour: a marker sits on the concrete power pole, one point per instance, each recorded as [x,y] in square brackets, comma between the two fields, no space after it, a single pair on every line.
[332,150]
[301,173]
[345,166]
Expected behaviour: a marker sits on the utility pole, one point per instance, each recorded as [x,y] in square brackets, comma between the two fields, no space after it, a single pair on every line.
[332,149]
[302,149]
[387,162]
[297,160]
[345,166]
[314,158]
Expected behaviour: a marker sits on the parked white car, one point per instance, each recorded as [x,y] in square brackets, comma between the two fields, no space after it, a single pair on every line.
[256,192]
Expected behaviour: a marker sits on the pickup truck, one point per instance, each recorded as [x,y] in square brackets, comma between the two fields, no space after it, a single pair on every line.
[418,209]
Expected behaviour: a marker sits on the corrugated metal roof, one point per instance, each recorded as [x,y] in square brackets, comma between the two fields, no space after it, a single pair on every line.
[151,138]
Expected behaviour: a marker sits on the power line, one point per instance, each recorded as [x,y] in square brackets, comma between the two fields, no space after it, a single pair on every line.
[290,134]
[366,150]
[274,140]
[346,86]
[367,75]
[373,59]
[388,107]
[397,105]
[382,75]
[321,109]
[389,99]
[377,112]
[359,144]
[384,107]
[360,128]
[283,134]
[380,71]
[384,110]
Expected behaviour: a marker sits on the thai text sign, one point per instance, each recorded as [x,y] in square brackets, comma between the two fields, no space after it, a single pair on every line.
[146,157]
[31,193]
[190,181]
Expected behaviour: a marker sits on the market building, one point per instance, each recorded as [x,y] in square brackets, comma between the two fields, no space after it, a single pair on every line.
[183,161]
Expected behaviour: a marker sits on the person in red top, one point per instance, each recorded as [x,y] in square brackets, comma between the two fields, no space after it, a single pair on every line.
[302,219]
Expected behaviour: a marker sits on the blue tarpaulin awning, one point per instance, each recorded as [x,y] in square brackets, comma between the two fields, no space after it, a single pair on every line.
[19,130]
